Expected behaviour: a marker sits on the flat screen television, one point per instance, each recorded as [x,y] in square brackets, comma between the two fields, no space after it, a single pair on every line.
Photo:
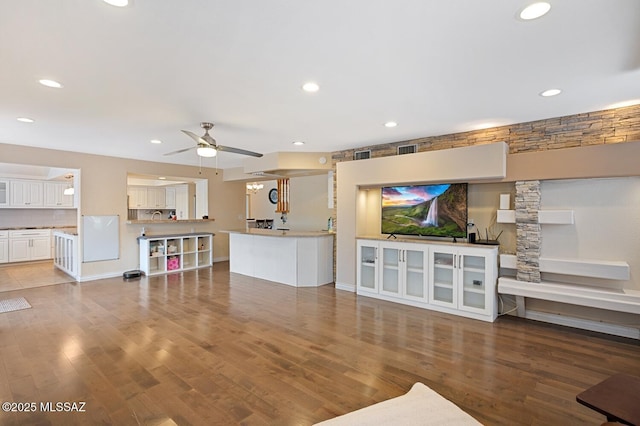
[425,210]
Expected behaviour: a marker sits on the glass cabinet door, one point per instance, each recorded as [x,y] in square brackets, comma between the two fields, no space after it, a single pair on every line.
[390,262]
[367,267]
[4,192]
[415,274]
[442,280]
[473,283]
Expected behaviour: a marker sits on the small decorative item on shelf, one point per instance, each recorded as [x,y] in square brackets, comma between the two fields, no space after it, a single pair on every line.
[173,263]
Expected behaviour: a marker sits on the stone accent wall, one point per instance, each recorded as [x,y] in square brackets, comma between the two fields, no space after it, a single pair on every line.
[592,128]
[528,235]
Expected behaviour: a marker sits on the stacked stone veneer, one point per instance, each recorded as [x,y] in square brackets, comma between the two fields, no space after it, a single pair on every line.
[593,128]
[528,235]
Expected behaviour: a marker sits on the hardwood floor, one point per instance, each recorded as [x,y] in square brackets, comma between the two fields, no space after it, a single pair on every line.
[209,347]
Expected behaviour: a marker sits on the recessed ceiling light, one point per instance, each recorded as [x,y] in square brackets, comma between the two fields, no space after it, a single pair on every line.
[25,119]
[535,10]
[390,124]
[50,83]
[162,177]
[298,143]
[156,141]
[310,87]
[119,3]
[551,92]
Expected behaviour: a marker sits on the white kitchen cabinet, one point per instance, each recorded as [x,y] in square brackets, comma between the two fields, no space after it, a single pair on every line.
[170,198]
[54,195]
[164,254]
[464,279]
[367,271]
[4,192]
[26,193]
[28,244]
[404,269]
[455,278]
[137,197]
[4,246]
[156,198]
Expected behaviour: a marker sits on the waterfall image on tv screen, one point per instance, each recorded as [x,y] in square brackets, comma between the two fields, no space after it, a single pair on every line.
[426,210]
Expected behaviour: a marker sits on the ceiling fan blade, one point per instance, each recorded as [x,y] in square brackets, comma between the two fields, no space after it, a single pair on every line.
[238,151]
[195,137]
[180,150]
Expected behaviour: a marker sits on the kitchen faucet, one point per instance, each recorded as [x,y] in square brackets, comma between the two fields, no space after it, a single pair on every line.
[153,215]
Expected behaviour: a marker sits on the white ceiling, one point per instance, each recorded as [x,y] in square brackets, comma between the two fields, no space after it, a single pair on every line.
[436,67]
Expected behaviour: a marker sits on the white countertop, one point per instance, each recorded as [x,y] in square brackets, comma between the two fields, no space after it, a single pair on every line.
[279,233]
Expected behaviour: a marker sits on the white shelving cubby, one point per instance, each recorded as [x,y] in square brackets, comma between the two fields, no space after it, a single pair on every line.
[163,254]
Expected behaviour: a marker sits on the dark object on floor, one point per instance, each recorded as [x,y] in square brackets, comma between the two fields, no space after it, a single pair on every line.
[616,398]
[136,273]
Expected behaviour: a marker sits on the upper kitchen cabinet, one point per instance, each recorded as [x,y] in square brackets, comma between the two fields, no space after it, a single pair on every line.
[170,197]
[137,197]
[26,193]
[186,197]
[54,195]
[24,186]
[4,192]
[156,198]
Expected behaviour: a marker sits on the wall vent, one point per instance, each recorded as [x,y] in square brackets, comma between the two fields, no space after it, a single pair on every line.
[407,149]
[362,155]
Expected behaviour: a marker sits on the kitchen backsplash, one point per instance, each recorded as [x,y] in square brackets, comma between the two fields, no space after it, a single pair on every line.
[13,218]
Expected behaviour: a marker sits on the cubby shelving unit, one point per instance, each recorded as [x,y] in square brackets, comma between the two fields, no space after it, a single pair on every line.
[163,254]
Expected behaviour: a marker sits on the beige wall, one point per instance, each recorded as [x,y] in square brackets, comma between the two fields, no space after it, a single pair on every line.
[103,182]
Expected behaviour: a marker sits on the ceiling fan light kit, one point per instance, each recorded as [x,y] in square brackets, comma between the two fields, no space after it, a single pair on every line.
[206,151]
[206,146]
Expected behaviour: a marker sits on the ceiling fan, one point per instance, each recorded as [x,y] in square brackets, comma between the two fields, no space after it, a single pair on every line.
[206,146]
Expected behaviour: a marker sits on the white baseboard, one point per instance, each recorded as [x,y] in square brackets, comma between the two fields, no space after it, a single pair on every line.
[345,287]
[584,324]
[86,278]
[221,259]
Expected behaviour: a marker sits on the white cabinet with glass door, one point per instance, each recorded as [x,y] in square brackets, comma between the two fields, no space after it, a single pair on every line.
[4,192]
[367,272]
[404,269]
[464,279]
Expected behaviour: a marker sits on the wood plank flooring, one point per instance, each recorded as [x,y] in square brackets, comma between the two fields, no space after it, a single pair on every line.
[209,347]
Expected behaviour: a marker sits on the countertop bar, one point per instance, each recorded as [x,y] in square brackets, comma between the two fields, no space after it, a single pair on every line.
[189,234]
[163,221]
[280,233]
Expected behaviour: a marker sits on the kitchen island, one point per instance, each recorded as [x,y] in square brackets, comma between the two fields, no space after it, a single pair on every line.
[299,259]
